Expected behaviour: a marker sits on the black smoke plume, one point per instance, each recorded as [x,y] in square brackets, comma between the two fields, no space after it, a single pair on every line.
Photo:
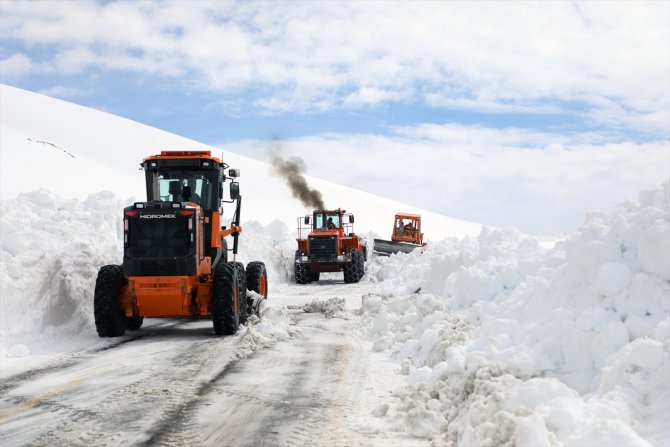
[293,170]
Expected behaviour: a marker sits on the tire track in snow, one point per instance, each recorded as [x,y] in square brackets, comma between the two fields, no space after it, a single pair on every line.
[240,426]
[177,426]
[180,427]
[304,419]
[87,415]
[308,392]
[175,423]
[73,359]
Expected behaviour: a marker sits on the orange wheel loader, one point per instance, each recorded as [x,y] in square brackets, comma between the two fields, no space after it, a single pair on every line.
[330,246]
[175,255]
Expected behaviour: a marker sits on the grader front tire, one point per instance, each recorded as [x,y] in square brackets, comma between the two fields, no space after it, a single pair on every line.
[257,278]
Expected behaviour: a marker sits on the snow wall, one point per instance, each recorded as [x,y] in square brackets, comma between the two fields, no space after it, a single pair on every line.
[50,252]
[512,344]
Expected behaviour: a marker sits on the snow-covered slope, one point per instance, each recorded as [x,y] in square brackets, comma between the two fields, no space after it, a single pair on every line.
[75,151]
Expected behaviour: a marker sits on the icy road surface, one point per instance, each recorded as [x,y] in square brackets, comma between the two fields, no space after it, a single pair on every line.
[174,383]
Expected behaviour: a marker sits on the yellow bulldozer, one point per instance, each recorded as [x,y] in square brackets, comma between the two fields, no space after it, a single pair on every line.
[406,236]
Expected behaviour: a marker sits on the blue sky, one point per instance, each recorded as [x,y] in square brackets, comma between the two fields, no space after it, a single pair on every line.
[190,115]
[380,83]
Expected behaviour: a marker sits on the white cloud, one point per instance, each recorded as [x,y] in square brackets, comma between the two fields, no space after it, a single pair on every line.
[74,60]
[539,182]
[15,66]
[370,96]
[64,92]
[313,55]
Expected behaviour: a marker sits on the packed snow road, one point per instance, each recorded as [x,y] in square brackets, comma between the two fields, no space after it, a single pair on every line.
[175,383]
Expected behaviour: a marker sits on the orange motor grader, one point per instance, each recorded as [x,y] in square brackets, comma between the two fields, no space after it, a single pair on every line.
[330,246]
[175,255]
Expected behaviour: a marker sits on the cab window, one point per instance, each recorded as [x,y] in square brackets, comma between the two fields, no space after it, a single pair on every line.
[183,186]
[318,221]
[334,220]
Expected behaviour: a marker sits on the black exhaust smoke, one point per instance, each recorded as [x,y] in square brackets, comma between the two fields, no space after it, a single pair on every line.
[293,170]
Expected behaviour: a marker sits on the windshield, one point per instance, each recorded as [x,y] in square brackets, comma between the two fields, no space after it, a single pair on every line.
[182,185]
[326,221]
[405,227]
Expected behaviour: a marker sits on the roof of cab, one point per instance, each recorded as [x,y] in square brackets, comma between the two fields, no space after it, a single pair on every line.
[407,216]
[180,155]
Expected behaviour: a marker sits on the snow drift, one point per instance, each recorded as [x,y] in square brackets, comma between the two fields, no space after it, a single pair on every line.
[50,252]
[509,343]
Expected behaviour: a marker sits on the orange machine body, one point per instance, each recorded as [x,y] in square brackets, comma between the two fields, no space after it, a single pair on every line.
[407,228]
[175,251]
[180,295]
[343,235]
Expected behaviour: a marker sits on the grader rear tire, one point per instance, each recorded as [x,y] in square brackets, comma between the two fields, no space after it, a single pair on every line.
[109,319]
[134,323]
[242,291]
[226,299]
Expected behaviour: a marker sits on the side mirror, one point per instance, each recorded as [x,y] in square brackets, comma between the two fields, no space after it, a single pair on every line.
[234,190]
[351,218]
[233,173]
[307,220]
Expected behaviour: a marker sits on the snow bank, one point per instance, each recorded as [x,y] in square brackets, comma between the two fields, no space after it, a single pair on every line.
[50,253]
[512,343]
[271,244]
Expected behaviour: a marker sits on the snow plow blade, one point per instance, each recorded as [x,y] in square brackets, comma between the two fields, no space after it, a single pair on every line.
[387,248]
[259,305]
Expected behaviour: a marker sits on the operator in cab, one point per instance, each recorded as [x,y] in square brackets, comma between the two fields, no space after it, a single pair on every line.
[409,229]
